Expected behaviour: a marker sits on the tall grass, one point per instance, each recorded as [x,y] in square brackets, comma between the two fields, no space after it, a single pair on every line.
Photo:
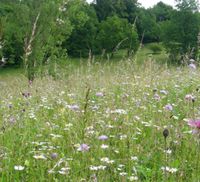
[121,108]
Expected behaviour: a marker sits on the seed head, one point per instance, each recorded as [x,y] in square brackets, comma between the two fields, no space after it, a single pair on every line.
[166,133]
[155,90]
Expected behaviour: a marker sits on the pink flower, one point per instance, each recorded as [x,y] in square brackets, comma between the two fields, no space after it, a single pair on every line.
[194,124]
[189,97]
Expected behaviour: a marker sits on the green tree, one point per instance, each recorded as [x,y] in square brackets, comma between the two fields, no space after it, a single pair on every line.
[180,33]
[85,23]
[33,32]
[122,8]
[148,28]
[116,33]
[162,11]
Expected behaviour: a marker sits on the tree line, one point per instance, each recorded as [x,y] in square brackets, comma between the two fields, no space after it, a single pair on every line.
[34,33]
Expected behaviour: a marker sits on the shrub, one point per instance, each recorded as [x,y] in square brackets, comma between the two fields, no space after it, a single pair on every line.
[155,48]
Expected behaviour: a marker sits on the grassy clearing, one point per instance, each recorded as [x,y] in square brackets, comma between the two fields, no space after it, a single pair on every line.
[103,121]
[143,55]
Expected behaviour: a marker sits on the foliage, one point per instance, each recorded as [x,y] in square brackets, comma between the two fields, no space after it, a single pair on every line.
[156,48]
[39,40]
[123,35]
[85,23]
[147,26]
[179,34]
[162,11]
[79,29]
[122,8]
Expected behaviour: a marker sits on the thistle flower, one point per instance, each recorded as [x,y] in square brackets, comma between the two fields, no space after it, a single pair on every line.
[195,124]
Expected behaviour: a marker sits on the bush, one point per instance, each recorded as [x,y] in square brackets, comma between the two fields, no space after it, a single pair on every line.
[155,48]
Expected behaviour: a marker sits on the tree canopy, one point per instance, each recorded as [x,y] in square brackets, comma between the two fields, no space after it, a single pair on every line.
[34,33]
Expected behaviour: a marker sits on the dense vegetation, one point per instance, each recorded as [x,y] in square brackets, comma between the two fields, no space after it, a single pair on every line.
[113,115]
[103,122]
[38,32]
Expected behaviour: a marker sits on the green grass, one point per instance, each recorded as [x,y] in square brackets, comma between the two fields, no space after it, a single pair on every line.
[60,115]
[143,55]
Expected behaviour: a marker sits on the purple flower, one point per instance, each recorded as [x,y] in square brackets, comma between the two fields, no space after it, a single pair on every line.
[99,94]
[192,66]
[103,137]
[73,107]
[83,147]
[168,107]
[54,156]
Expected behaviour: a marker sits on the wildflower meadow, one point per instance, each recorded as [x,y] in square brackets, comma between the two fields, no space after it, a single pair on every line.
[103,122]
[99,91]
